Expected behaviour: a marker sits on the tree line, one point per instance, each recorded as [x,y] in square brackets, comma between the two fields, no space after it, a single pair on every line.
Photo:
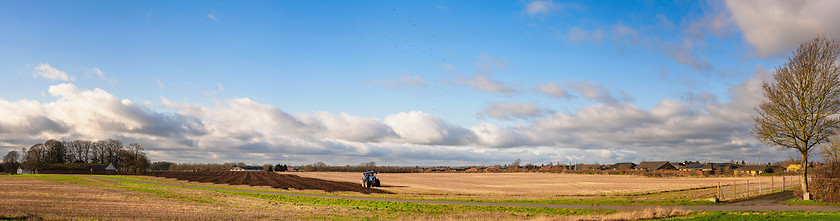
[127,159]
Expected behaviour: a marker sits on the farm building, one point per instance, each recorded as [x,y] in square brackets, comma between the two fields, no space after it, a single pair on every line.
[718,166]
[752,170]
[22,171]
[793,168]
[246,168]
[693,167]
[655,165]
[590,167]
[678,165]
[623,166]
[79,168]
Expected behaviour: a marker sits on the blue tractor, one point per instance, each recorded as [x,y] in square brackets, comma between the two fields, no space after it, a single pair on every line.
[370,180]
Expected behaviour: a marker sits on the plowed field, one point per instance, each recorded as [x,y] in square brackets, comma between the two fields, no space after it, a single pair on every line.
[282,181]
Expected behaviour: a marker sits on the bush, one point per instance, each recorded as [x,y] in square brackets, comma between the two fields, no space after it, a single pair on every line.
[825,184]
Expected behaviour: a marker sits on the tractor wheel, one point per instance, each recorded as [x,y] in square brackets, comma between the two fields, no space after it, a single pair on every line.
[376,183]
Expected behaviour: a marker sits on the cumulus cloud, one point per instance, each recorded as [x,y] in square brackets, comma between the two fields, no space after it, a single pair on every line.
[552,89]
[245,130]
[599,92]
[778,26]
[422,128]
[699,130]
[512,110]
[44,70]
[485,83]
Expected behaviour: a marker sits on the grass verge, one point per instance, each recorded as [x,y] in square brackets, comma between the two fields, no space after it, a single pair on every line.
[761,215]
[401,207]
[795,201]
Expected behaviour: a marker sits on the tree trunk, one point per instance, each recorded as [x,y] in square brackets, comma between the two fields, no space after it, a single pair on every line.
[803,180]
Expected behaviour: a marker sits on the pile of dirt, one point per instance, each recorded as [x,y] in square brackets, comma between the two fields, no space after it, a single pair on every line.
[255,178]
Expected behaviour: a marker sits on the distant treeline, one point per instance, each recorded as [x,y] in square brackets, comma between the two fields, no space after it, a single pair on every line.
[170,166]
[127,159]
[317,167]
[322,167]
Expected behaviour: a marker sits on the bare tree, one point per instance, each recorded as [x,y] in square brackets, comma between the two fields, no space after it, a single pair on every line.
[831,152]
[800,103]
[34,157]
[110,150]
[10,162]
[56,152]
[83,150]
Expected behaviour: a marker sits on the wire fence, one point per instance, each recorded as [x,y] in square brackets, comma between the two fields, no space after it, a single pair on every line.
[754,186]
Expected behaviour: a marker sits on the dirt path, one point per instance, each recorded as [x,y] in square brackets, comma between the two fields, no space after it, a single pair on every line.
[756,205]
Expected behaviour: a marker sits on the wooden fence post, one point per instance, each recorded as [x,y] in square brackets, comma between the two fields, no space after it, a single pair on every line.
[783,183]
[720,198]
[771,184]
[748,188]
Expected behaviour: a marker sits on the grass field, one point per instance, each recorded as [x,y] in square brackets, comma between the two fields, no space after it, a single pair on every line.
[85,197]
[548,188]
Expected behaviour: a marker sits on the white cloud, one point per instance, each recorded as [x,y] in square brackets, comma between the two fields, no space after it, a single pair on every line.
[159,84]
[576,34]
[599,92]
[422,128]
[212,17]
[552,89]
[401,82]
[484,83]
[236,129]
[664,21]
[539,7]
[777,26]
[98,72]
[511,110]
[535,8]
[46,71]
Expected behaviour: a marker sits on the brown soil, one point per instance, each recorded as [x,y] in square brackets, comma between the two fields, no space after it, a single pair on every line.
[282,181]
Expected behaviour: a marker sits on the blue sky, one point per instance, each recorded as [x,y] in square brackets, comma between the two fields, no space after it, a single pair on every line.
[400,83]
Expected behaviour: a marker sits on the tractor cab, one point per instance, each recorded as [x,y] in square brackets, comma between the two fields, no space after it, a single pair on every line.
[369,180]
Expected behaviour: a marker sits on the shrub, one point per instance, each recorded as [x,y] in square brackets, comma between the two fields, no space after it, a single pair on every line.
[825,184]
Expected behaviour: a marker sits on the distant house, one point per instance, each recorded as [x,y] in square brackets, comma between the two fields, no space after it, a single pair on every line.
[623,166]
[590,167]
[246,168]
[474,169]
[678,165]
[655,165]
[693,167]
[752,170]
[22,171]
[718,166]
[793,168]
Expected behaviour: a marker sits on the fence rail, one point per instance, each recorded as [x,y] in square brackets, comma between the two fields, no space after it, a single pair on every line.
[754,186]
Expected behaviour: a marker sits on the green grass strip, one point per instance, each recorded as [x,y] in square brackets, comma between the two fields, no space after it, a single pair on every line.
[763,215]
[382,206]
[794,201]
